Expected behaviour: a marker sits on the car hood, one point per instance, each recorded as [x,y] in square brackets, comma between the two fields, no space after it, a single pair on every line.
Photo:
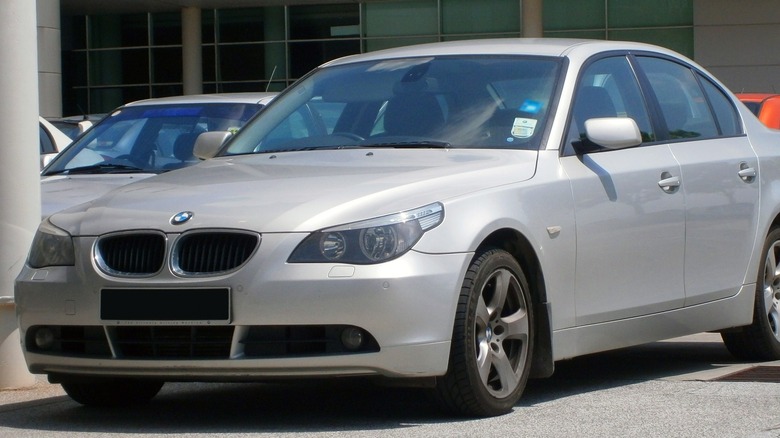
[298,191]
[62,191]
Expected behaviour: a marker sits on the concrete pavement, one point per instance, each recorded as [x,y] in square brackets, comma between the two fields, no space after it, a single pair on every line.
[664,389]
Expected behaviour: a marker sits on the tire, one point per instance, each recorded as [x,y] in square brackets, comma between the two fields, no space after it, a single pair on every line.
[761,339]
[492,338]
[112,392]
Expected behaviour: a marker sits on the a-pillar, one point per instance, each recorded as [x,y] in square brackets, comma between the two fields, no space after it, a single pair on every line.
[19,181]
[191,51]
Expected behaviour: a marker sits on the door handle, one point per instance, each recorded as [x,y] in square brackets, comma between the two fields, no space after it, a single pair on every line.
[669,183]
[747,173]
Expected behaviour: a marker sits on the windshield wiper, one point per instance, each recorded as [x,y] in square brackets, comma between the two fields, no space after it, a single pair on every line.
[309,148]
[409,144]
[414,144]
[100,168]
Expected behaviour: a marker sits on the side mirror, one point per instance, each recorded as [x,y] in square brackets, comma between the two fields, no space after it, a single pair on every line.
[613,132]
[209,143]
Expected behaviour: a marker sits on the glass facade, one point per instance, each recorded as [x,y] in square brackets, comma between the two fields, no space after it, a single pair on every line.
[667,23]
[112,59]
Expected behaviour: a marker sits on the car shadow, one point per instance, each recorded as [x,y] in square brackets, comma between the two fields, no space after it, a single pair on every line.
[658,360]
[345,404]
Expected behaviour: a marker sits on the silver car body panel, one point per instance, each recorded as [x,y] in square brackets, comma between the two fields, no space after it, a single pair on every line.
[61,191]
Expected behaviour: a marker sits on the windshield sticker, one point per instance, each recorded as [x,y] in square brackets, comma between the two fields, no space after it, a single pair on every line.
[523,128]
[531,107]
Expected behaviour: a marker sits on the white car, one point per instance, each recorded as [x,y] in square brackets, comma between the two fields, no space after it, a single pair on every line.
[459,215]
[73,126]
[51,140]
[138,140]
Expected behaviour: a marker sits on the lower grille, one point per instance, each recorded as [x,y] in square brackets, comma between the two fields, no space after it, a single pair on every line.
[174,342]
[196,342]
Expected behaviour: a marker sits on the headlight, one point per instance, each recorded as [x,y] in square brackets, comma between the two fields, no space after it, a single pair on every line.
[371,241]
[51,246]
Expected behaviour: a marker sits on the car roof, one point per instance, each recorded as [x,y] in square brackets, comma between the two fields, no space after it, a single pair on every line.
[250,97]
[557,47]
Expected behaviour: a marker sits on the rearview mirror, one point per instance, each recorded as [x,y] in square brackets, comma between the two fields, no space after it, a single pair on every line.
[208,144]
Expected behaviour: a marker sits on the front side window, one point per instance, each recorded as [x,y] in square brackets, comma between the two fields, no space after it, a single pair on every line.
[454,102]
[607,88]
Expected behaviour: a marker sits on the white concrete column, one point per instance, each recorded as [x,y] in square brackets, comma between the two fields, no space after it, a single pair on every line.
[19,181]
[49,58]
[532,19]
[191,51]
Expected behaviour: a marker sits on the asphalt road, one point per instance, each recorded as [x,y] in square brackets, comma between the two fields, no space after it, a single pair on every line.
[665,389]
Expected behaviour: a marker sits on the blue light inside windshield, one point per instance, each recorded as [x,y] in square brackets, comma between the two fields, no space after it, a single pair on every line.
[172,112]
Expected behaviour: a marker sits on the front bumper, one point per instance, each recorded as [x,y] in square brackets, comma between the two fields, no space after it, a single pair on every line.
[284,319]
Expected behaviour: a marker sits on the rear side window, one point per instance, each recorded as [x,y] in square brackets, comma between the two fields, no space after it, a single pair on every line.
[682,101]
[725,113]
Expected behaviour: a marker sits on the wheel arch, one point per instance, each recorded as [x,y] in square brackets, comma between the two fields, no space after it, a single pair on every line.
[774,224]
[523,251]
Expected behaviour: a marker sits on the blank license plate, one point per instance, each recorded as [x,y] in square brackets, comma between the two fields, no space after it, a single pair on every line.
[145,306]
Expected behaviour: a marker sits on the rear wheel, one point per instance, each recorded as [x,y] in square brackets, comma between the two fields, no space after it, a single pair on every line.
[112,392]
[492,339]
[761,339]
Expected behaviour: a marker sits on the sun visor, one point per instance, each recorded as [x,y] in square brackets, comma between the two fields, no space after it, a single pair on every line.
[375,87]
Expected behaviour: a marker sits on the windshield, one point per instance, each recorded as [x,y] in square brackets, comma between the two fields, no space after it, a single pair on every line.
[452,102]
[150,139]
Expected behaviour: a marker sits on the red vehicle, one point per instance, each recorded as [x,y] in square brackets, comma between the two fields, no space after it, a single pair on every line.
[765,106]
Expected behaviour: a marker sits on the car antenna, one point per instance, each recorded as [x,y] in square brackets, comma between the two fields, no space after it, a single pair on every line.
[84,115]
[268,85]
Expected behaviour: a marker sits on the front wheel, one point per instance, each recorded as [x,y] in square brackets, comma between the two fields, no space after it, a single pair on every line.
[492,339]
[761,339]
[112,392]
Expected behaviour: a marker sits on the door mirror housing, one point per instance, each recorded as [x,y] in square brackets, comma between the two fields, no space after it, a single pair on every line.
[613,132]
[208,144]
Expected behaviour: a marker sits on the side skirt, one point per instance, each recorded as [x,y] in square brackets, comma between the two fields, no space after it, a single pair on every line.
[734,311]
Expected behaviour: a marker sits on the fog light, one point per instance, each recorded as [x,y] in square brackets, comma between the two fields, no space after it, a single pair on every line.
[352,338]
[44,338]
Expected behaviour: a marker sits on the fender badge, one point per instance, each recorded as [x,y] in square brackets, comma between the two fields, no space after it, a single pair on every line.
[181,217]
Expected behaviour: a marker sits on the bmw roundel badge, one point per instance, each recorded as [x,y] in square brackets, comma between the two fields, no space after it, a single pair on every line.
[181,217]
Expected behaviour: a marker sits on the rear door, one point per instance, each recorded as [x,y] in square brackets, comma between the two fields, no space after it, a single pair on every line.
[719,177]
